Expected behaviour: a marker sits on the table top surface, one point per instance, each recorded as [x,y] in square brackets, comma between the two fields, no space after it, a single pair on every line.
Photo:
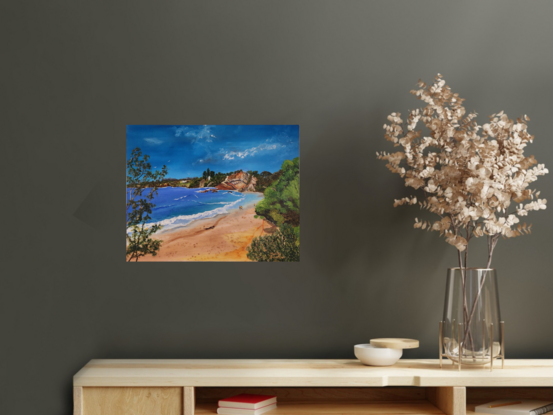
[305,373]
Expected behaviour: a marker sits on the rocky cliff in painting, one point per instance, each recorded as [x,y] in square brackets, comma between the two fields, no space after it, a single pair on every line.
[239,181]
[251,185]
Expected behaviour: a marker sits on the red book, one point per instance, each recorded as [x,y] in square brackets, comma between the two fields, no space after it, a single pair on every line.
[247,401]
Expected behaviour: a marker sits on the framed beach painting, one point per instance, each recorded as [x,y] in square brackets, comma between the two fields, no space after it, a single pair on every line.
[213,193]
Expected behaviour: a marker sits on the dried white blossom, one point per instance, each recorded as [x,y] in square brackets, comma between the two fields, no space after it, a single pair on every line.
[475,178]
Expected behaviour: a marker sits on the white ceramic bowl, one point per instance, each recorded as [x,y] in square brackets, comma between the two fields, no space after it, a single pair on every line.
[376,356]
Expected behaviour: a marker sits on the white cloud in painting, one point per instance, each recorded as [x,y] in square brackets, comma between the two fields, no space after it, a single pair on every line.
[198,135]
[251,151]
[153,140]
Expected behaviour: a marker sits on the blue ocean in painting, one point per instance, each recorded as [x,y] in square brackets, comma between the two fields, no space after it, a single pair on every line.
[178,206]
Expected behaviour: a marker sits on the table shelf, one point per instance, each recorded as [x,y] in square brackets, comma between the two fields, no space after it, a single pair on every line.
[333,408]
[188,387]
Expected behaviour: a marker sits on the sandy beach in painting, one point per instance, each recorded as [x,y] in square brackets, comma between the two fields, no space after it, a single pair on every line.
[221,238]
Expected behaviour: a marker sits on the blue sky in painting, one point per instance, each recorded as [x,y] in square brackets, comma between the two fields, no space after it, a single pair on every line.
[188,150]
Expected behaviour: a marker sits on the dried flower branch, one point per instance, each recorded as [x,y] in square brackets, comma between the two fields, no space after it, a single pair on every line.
[475,178]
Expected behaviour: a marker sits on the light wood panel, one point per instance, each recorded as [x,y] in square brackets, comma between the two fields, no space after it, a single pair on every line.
[395,343]
[189,400]
[132,401]
[298,395]
[419,408]
[296,373]
[77,400]
[450,400]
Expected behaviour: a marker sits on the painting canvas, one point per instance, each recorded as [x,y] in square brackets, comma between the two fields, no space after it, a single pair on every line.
[213,193]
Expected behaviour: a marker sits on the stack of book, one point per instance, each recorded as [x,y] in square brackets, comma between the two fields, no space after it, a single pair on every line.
[515,407]
[246,404]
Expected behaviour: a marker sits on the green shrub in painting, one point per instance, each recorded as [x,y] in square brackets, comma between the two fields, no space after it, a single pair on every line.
[281,246]
[281,204]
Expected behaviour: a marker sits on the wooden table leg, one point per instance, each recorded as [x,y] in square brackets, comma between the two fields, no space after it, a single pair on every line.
[77,400]
[451,400]
[189,400]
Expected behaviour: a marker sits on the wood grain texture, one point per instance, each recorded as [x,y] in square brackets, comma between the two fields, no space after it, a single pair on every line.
[189,400]
[298,373]
[132,401]
[420,408]
[77,400]
[450,400]
[395,343]
[297,395]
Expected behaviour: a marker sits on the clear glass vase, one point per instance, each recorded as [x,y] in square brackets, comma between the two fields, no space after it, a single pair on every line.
[471,332]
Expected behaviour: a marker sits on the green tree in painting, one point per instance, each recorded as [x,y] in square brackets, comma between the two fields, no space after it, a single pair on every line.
[142,186]
[281,246]
[281,206]
[282,199]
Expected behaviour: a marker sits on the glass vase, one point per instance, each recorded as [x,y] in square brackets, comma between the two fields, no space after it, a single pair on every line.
[471,332]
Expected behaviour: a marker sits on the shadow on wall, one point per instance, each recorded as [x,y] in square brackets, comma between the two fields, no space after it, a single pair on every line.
[98,207]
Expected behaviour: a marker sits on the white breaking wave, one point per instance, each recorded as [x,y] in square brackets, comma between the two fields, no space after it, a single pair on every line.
[163,206]
[179,198]
[216,203]
[186,219]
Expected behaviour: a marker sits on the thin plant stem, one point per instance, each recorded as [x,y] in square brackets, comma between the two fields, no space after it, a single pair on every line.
[491,246]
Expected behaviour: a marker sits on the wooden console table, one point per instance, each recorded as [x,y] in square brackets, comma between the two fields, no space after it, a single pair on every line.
[187,387]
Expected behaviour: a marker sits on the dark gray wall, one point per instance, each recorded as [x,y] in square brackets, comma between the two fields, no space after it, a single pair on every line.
[74,73]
